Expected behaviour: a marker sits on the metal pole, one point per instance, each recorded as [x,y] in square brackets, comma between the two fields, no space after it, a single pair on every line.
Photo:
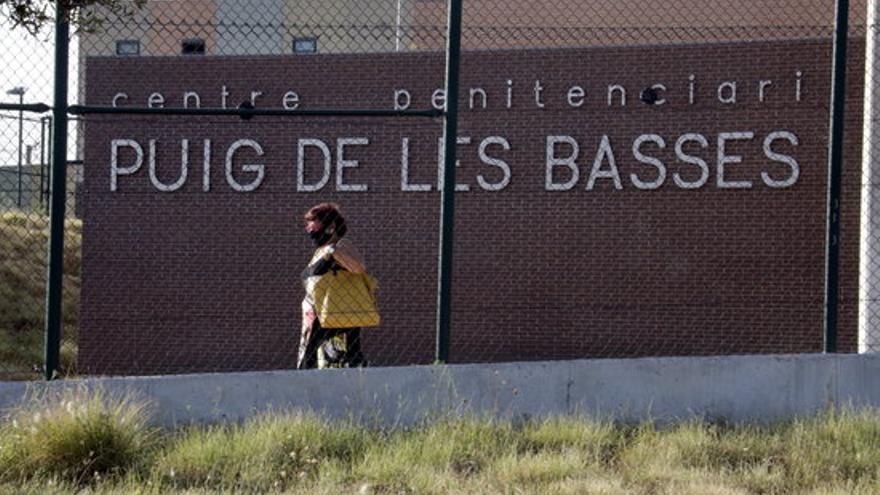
[51,129]
[835,154]
[59,179]
[869,231]
[397,28]
[20,142]
[42,160]
[447,207]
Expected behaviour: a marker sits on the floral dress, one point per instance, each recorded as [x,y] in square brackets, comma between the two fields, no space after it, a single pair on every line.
[325,347]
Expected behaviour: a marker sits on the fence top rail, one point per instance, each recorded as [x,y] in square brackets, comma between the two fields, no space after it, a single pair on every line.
[248,112]
[243,112]
[26,107]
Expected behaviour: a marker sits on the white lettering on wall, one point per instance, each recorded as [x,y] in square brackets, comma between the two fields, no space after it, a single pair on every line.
[727,92]
[342,163]
[576,96]
[725,159]
[402,99]
[301,146]
[605,153]
[191,95]
[249,167]
[484,96]
[117,97]
[441,163]
[497,162]
[509,93]
[539,102]
[659,88]
[115,169]
[404,170]
[692,85]
[779,157]
[206,170]
[290,101]
[156,100]
[620,90]
[762,85]
[474,92]
[552,161]
[691,159]
[438,99]
[650,160]
[184,165]
[562,169]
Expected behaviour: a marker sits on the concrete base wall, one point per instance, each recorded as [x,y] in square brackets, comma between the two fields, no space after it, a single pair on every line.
[738,389]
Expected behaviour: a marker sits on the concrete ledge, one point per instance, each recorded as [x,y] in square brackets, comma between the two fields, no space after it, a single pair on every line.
[736,388]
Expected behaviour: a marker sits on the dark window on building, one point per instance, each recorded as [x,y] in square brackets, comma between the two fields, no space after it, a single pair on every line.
[305,45]
[192,46]
[128,47]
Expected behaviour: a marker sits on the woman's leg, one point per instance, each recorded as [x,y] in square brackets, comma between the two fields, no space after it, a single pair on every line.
[340,348]
[316,338]
[354,356]
[332,350]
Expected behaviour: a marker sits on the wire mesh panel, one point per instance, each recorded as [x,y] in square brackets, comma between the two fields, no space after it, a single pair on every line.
[664,179]
[26,77]
[497,24]
[866,182]
[632,180]
[200,220]
[256,27]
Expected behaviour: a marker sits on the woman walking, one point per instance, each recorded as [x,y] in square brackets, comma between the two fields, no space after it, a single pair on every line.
[328,347]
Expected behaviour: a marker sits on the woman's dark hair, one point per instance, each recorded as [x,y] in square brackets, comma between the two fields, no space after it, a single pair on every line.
[327,214]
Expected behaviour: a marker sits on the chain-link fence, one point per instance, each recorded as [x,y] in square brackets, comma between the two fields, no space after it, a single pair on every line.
[25,189]
[869,263]
[633,180]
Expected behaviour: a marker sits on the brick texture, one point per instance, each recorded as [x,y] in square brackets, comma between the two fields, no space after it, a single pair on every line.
[191,280]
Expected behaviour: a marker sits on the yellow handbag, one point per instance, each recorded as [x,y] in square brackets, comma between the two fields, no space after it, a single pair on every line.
[345,300]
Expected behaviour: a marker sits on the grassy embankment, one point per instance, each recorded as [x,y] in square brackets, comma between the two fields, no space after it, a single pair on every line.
[100,444]
[23,255]
[104,445]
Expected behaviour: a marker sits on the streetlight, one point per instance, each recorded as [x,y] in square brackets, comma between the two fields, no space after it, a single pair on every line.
[19,91]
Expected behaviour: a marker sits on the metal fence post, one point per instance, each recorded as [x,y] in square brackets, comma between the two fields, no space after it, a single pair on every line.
[21,91]
[42,162]
[447,206]
[51,131]
[835,154]
[58,200]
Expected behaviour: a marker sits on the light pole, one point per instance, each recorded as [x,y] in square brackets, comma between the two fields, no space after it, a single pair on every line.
[19,91]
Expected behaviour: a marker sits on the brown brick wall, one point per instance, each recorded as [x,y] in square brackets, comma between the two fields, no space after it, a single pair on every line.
[195,281]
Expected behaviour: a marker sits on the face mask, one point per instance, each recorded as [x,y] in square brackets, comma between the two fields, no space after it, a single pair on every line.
[319,237]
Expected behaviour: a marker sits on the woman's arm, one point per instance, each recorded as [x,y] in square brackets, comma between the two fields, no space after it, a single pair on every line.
[349,257]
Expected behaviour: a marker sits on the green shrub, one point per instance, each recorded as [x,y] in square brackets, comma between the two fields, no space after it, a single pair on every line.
[76,436]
